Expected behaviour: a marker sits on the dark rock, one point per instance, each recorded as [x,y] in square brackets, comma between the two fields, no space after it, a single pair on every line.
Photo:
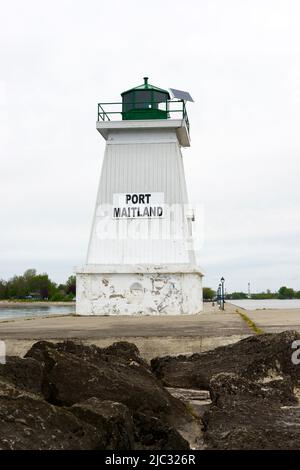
[28,422]
[151,433]
[254,387]
[74,373]
[120,352]
[249,415]
[126,430]
[265,357]
[225,386]
[112,420]
[126,351]
[71,396]
[26,374]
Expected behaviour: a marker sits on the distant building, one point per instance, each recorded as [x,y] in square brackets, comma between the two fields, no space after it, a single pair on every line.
[34,296]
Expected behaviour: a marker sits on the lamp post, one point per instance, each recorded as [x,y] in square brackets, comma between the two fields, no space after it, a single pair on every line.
[222,293]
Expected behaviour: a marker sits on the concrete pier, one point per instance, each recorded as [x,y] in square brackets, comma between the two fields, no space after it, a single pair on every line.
[153,335]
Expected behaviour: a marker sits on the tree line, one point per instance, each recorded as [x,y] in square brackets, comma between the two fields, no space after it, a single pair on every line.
[282,293]
[34,286]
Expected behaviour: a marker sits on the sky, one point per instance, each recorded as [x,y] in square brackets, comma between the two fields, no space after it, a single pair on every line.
[239,59]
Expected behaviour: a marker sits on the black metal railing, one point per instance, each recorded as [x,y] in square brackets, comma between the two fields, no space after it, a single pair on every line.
[171,109]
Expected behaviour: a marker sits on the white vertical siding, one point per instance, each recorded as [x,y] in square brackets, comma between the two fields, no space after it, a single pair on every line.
[140,162]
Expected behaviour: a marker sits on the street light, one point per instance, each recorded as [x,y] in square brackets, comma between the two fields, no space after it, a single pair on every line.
[222,293]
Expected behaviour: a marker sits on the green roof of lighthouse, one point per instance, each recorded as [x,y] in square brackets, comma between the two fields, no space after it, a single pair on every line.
[145,102]
[146,86]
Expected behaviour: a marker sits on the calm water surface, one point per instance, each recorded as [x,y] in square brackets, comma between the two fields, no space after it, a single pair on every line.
[10,312]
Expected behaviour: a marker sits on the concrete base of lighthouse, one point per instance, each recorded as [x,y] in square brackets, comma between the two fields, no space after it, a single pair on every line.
[139,290]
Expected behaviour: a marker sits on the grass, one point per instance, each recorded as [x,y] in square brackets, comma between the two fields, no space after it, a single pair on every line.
[256,330]
[191,411]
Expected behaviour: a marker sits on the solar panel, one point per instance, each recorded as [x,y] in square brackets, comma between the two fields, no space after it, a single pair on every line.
[181,95]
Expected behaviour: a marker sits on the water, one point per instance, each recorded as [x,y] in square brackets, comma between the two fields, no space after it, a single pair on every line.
[11,312]
[250,304]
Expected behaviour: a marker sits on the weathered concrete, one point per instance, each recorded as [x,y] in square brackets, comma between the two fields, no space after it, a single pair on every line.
[153,335]
[211,323]
[149,347]
[275,321]
[171,290]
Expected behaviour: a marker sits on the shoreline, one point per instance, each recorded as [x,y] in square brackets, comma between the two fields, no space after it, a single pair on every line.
[72,303]
[38,303]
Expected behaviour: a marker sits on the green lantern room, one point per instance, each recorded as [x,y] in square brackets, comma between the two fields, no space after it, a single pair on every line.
[145,102]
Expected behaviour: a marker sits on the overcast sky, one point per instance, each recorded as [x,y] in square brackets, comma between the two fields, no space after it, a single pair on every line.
[239,59]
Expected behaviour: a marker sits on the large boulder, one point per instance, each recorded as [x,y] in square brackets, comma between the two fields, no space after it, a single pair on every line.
[120,352]
[70,396]
[152,433]
[27,422]
[250,415]
[74,373]
[125,429]
[261,358]
[25,374]
[254,387]
[112,417]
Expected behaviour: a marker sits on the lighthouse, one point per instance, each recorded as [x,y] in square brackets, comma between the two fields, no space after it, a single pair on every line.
[141,258]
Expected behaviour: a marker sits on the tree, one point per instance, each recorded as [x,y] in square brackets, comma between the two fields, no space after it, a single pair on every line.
[238,295]
[208,293]
[43,285]
[264,295]
[20,287]
[3,289]
[71,285]
[286,293]
[17,288]
[29,273]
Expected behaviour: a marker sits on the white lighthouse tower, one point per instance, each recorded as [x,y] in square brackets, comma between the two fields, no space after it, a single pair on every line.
[141,258]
